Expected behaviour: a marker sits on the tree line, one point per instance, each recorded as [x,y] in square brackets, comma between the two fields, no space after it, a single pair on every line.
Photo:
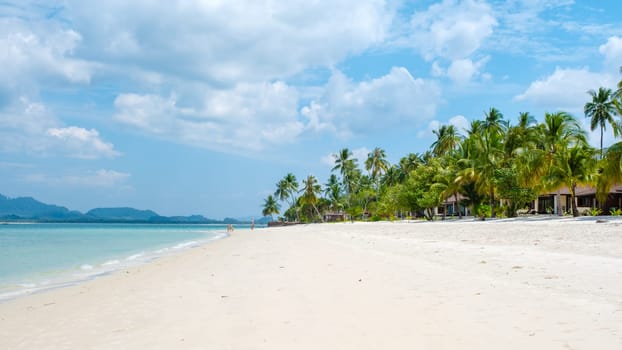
[496,167]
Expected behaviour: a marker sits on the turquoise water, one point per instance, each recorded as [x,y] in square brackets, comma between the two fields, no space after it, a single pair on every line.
[42,256]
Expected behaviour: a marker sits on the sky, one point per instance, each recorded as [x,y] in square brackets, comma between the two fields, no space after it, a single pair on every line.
[201,106]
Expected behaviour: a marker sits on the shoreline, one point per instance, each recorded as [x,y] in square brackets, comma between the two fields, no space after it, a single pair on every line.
[58,278]
[549,284]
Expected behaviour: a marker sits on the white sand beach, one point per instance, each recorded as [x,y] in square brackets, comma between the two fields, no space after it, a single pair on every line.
[508,284]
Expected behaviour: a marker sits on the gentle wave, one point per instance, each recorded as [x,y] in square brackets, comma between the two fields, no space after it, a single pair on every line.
[90,270]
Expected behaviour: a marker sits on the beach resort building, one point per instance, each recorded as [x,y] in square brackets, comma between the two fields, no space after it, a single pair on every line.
[552,202]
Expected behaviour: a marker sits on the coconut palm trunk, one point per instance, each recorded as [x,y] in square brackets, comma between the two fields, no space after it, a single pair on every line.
[458,205]
[573,191]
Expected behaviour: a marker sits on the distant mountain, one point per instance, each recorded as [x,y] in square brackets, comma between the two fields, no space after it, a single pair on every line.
[122,214]
[29,209]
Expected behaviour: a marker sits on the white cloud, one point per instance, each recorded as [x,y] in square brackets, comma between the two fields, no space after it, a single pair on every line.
[37,53]
[225,41]
[565,89]
[462,71]
[347,107]
[23,126]
[460,122]
[83,143]
[30,127]
[247,117]
[93,179]
[452,29]
[612,50]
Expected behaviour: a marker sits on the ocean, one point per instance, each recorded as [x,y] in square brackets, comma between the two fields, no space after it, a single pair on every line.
[36,257]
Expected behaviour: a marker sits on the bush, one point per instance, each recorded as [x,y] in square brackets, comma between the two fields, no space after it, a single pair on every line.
[615,211]
[483,211]
[595,211]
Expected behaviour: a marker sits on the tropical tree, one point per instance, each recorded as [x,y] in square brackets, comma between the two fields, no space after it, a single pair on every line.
[485,147]
[422,195]
[521,137]
[410,163]
[447,178]
[376,163]
[270,207]
[348,168]
[572,167]
[447,139]
[559,132]
[310,191]
[601,110]
[392,177]
[286,190]
[617,101]
[494,122]
[333,192]
[610,171]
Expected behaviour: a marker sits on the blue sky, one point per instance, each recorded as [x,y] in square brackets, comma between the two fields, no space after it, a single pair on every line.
[200,107]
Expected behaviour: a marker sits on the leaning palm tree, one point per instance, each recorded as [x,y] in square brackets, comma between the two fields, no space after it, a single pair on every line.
[601,110]
[310,191]
[270,207]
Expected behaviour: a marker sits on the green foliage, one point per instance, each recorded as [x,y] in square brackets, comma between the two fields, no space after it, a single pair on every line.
[483,211]
[615,211]
[270,206]
[595,211]
[507,182]
[495,169]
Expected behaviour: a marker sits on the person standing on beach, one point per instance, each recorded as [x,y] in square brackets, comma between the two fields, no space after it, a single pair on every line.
[252,224]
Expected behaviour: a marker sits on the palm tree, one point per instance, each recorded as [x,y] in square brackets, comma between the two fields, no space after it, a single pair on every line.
[611,172]
[521,137]
[270,207]
[559,132]
[343,161]
[601,110]
[493,121]
[392,177]
[286,189]
[574,166]
[310,190]
[410,162]
[447,139]
[617,99]
[347,167]
[447,180]
[333,192]
[487,156]
[376,164]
